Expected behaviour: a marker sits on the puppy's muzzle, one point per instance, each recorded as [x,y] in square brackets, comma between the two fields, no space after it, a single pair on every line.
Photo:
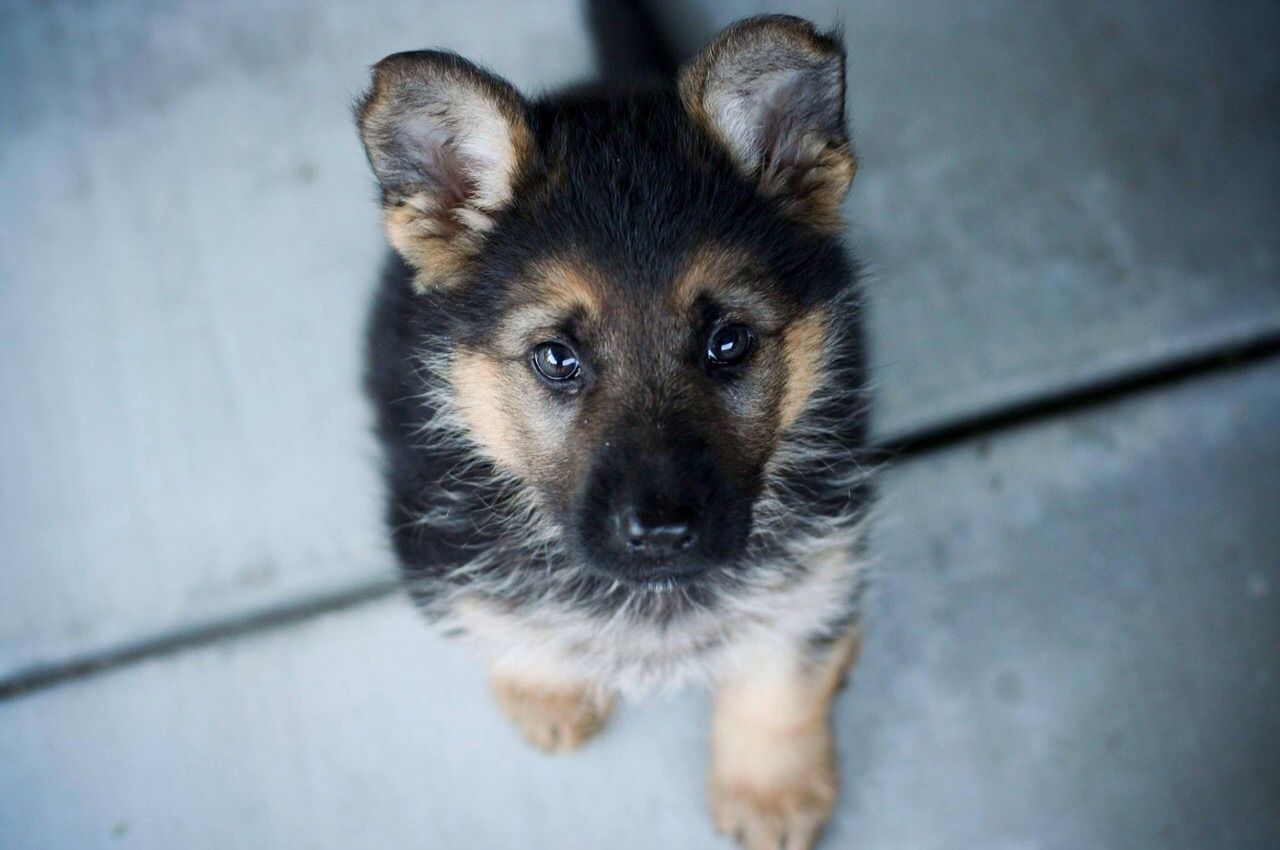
[660,511]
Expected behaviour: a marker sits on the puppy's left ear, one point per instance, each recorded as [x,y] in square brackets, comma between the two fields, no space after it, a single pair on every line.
[770,89]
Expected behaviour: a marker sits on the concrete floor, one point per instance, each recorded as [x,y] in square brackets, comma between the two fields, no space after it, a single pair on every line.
[1074,634]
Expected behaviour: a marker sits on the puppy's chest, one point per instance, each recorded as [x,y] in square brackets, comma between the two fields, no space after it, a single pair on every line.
[636,656]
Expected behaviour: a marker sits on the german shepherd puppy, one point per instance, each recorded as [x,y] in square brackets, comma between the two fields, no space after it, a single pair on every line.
[620,386]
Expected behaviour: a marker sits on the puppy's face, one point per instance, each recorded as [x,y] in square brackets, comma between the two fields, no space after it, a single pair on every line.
[643,407]
[637,290]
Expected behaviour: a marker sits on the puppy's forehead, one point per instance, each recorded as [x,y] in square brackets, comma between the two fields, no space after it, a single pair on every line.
[568,288]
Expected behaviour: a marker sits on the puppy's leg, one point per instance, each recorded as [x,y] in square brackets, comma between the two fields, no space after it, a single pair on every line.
[772,780]
[553,711]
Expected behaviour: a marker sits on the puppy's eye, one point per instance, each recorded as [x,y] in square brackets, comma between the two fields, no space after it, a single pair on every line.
[556,361]
[729,344]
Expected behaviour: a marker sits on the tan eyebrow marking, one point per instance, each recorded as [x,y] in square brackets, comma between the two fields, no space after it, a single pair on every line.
[557,288]
[566,283]
[729,275]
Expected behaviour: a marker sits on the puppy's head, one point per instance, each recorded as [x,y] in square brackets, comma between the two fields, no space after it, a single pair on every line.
[636,292]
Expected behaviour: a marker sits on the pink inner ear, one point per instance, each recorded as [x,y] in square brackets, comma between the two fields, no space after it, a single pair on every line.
[782,136]
[773,123]
[780,142]
[455,185]
[439,164]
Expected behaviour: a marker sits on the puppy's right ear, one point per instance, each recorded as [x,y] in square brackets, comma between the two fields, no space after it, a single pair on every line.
[447,142]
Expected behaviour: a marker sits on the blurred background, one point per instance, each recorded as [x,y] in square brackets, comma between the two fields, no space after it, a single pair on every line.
[1071,217]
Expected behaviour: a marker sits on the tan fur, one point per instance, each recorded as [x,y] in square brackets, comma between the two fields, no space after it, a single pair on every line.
[813,195]
[567,284]
[554,713]
[772,781]
[803,343]
[481,395]
[437,253]
[708,268]
[729,274]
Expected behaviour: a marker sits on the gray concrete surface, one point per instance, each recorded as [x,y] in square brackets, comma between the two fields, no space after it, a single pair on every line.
[1071,643]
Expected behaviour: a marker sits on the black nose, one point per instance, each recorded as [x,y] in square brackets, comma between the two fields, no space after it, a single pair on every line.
[651,535]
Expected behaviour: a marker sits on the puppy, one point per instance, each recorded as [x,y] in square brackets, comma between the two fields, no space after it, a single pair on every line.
[619,380]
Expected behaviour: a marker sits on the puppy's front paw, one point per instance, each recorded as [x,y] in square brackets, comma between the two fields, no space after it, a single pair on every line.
[554,718]
[785,812]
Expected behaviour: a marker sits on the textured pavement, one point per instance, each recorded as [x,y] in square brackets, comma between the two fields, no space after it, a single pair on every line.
[1074,632]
